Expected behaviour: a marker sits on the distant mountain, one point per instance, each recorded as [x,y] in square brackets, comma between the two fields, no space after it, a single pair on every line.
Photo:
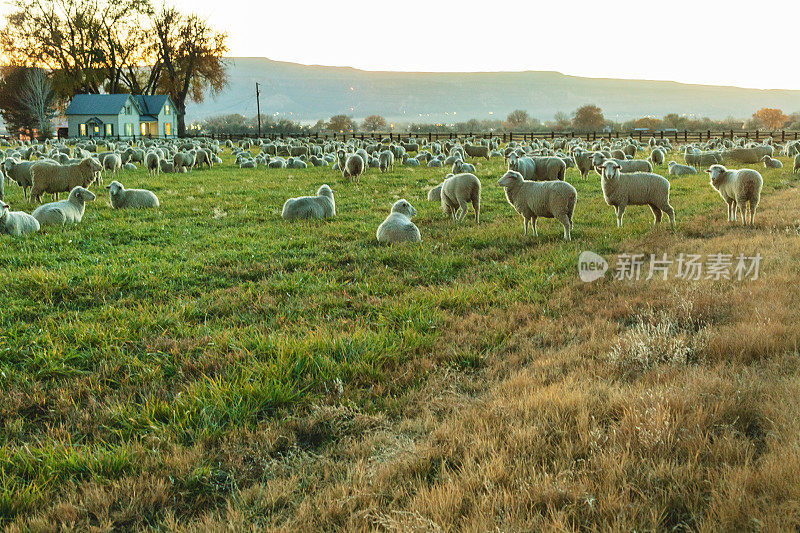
[308,93]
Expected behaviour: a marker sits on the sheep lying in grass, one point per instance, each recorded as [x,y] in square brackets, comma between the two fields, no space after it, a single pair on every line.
[533,199]
[320,206]
[460,167]
[680,170]
[458,192]
[771,163]
[739,188]
[69,211]
[122,198]
[635,188]
[16,223]
[398,226]
[53,178]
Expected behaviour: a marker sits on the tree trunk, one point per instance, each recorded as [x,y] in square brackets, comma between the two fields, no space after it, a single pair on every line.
[181,109]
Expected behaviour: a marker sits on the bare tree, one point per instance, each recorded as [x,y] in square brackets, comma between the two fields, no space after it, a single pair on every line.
[38,99]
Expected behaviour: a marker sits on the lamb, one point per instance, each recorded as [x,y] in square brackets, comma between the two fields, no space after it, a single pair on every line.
[69,211]
[626,165]
[460,167]
[657,156]
[738,188]
[352,165]
[320,206]
[386,161]
[548,199]
[680,170]
[53,178]
[771,163]
[16,223]
[152,163]
[635,188]
[130,198]
[583,161]
[398,226]
[457,192]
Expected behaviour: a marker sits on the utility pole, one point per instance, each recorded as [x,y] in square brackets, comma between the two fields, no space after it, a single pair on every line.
[258,110]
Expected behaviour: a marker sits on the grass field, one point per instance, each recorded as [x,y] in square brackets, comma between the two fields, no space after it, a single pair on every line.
[208,366]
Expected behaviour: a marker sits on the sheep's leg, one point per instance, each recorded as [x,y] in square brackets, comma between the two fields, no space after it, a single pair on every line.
[525,225]
[668,209]
[753,206]
[564,219]
[463,206]
[656,214]
[535,233]
[620,214]
[476,205]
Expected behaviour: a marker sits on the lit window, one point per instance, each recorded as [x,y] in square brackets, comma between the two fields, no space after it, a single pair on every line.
[168,128]
[97,130]
[166,109]
[143,127]
[109,130]
[128,129]
[83,130]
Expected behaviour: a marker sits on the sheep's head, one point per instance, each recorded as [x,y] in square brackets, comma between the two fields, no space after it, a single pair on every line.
[4,207]
[82,194]
[598,159]
[435,194]
[765,158]
[92,164]
[611,170]
[672,164]
[324,190]
[404,208]
[717,173]
[510,178]
[115,187]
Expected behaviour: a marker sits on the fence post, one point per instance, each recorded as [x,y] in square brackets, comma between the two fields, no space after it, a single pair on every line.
[783,135]
[756,135]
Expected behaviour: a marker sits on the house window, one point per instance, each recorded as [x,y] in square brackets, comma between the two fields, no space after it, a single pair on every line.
[109,130]
[128,129]
[166,109]
[97,130]
[83,130]
[168,128]
[143,127]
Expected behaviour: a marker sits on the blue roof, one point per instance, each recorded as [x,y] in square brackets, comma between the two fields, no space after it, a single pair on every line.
[148,118]
[97,104]
[151,104]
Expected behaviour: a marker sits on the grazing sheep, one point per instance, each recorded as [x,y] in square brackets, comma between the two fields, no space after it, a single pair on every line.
[549,168]
[130,198]
[386,161]
[152,163]
[626,165]
[657,157]
[352,165]
[112,163]
[458,192]
[477,151]
[583,161]
[771,163]
[435,194]
[739,188]
[635,188]
[53,178]
[533,199]
[398,226]
[680,170]
[320,206]
[69,211]
[16,223]
[20,172]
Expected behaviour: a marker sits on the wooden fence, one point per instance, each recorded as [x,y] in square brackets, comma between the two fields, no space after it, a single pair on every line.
[676,136]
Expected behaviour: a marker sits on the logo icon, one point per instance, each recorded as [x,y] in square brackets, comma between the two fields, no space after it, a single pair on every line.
[591,266]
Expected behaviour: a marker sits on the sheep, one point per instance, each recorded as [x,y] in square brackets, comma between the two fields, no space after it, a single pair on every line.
[533,199]
[626,165]
[152,163]
[477,151]
[320,206]
[352,165]
[549,168]
[166,166]
[435,194]
[457,192]
[16,223]
[583,161]
[386,161]
[435,163]
[738,188]
[657,157]
[69,211]
[748,156]
[524,165]
[410,161]
[460,167]
[2,186]
[398,226]
[129,166]
[701,159]
[771,163]
[295,163]
[680,170]
[130,198]
[796,163]
[53,178]
[635,188]
[112,163]
[20,172]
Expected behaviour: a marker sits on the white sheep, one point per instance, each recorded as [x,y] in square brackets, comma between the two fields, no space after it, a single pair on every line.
[635,188]
[625,165]
[112,163]
[386,160]
[771,163]
[435,194]
[320,206]
[398,226]
[460,167]
[534,199]
[796,163]
[352,165]
[739,188]
[16,223]
[53,178]
[69,211]
[153,163]
[122,198]
[657,157]
[458,192]
[680,170]
[20,172]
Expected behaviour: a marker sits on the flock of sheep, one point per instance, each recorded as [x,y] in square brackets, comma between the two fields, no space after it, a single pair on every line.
[534,182]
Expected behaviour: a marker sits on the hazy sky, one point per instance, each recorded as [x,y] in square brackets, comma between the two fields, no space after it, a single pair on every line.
[692,41]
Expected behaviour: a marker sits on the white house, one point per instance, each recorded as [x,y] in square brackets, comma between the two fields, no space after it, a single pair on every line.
[121,115]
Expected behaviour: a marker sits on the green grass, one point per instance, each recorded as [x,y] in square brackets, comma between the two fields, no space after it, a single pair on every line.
[137,342]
